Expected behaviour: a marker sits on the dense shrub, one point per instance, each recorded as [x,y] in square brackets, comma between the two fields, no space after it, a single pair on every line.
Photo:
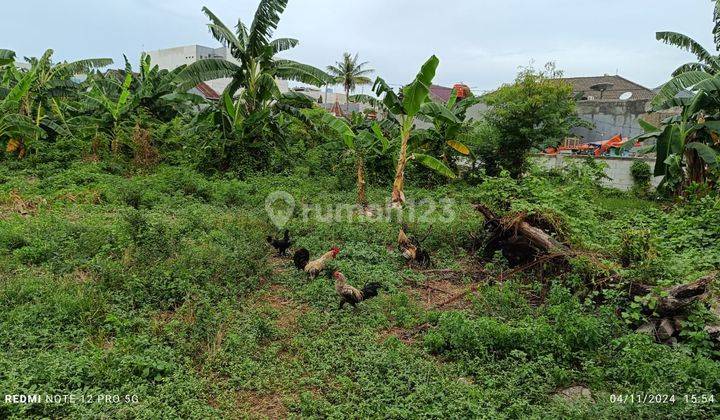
[641,175]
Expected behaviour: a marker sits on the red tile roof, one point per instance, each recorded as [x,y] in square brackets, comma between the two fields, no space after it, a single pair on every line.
[336,110]
[207,91]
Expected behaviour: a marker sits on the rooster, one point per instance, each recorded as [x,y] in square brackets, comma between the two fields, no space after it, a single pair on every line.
[351,295]
[410,248]
[313,268]
[281,245]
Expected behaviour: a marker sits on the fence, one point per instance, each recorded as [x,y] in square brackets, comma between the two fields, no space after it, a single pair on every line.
[617,168]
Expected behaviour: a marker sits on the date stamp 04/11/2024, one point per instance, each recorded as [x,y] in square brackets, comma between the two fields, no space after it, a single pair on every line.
[651,398]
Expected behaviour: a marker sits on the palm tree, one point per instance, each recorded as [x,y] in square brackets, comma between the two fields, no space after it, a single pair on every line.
[256,66]
[350,73]
[690,74]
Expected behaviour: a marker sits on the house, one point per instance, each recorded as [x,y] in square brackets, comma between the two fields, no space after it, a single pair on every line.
[172,58]
[340,110]
[608,88]
[321,96]
[612,104]
[440,93]
[204,90]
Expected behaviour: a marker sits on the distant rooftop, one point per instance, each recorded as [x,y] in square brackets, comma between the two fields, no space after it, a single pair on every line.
[207,91]
[440,93]
[615,87]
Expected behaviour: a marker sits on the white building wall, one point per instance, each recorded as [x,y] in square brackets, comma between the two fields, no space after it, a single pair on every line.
[172,58]
[618,168]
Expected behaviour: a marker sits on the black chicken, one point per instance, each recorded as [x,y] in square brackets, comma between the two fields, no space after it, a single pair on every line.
[281,245]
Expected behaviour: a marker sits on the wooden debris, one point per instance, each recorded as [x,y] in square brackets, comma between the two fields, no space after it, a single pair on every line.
[676,298]
[519,241]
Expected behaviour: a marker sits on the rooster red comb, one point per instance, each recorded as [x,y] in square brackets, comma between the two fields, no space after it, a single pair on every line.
[337,274]
[335,250]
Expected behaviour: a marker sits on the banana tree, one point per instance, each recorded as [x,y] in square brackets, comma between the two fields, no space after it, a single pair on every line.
[403,109]
[6,57]
[360,143]
[690,74]
[15,127]
[687,144]
[158,91]
[54,84]
[255,67]
[107,104]
[253,89]
[449,123]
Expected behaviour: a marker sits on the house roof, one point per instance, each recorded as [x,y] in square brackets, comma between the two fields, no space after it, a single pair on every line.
[207,91]
[620,85]
[332,107]
[440,93]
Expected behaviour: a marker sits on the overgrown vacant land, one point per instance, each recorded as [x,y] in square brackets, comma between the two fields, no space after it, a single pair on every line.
[156,285]
[139,276]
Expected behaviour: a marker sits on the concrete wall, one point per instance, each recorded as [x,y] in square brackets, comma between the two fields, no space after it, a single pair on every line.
[610,118]
[618,169]
[172,58]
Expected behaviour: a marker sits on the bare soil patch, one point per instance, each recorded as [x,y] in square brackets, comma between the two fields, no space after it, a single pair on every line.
[262,406]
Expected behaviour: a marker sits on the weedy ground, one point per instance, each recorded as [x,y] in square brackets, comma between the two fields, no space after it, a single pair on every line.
[160,285]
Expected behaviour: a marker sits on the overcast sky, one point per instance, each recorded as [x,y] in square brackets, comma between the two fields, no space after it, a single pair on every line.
[479,42]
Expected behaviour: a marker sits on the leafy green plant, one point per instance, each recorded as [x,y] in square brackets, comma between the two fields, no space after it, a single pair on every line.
[641,175]
[359,144]
[257,114]
[404,108]
[536,111]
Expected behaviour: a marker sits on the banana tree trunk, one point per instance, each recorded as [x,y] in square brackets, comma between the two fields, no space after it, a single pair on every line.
[695,167]
[398,196]
[361,183]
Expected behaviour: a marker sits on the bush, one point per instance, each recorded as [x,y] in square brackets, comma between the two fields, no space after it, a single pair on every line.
[641,175]
[536,111]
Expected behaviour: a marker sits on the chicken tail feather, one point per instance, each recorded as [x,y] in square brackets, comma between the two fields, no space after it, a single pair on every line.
[371,290]
[301,258]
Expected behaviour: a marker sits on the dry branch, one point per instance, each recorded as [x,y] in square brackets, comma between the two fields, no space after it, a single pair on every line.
[535,235]
[674,299]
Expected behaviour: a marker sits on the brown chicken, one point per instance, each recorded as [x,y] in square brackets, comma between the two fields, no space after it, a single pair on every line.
[351,295]
[406,246]
[410,249]
[313,268]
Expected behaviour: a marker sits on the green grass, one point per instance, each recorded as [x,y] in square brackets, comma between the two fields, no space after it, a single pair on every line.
[161,286]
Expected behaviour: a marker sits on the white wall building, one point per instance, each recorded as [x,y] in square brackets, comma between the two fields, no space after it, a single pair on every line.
[172,58]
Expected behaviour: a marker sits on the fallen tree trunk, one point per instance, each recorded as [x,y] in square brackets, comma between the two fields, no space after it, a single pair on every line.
[518,238]
[674,299]
[519,241]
